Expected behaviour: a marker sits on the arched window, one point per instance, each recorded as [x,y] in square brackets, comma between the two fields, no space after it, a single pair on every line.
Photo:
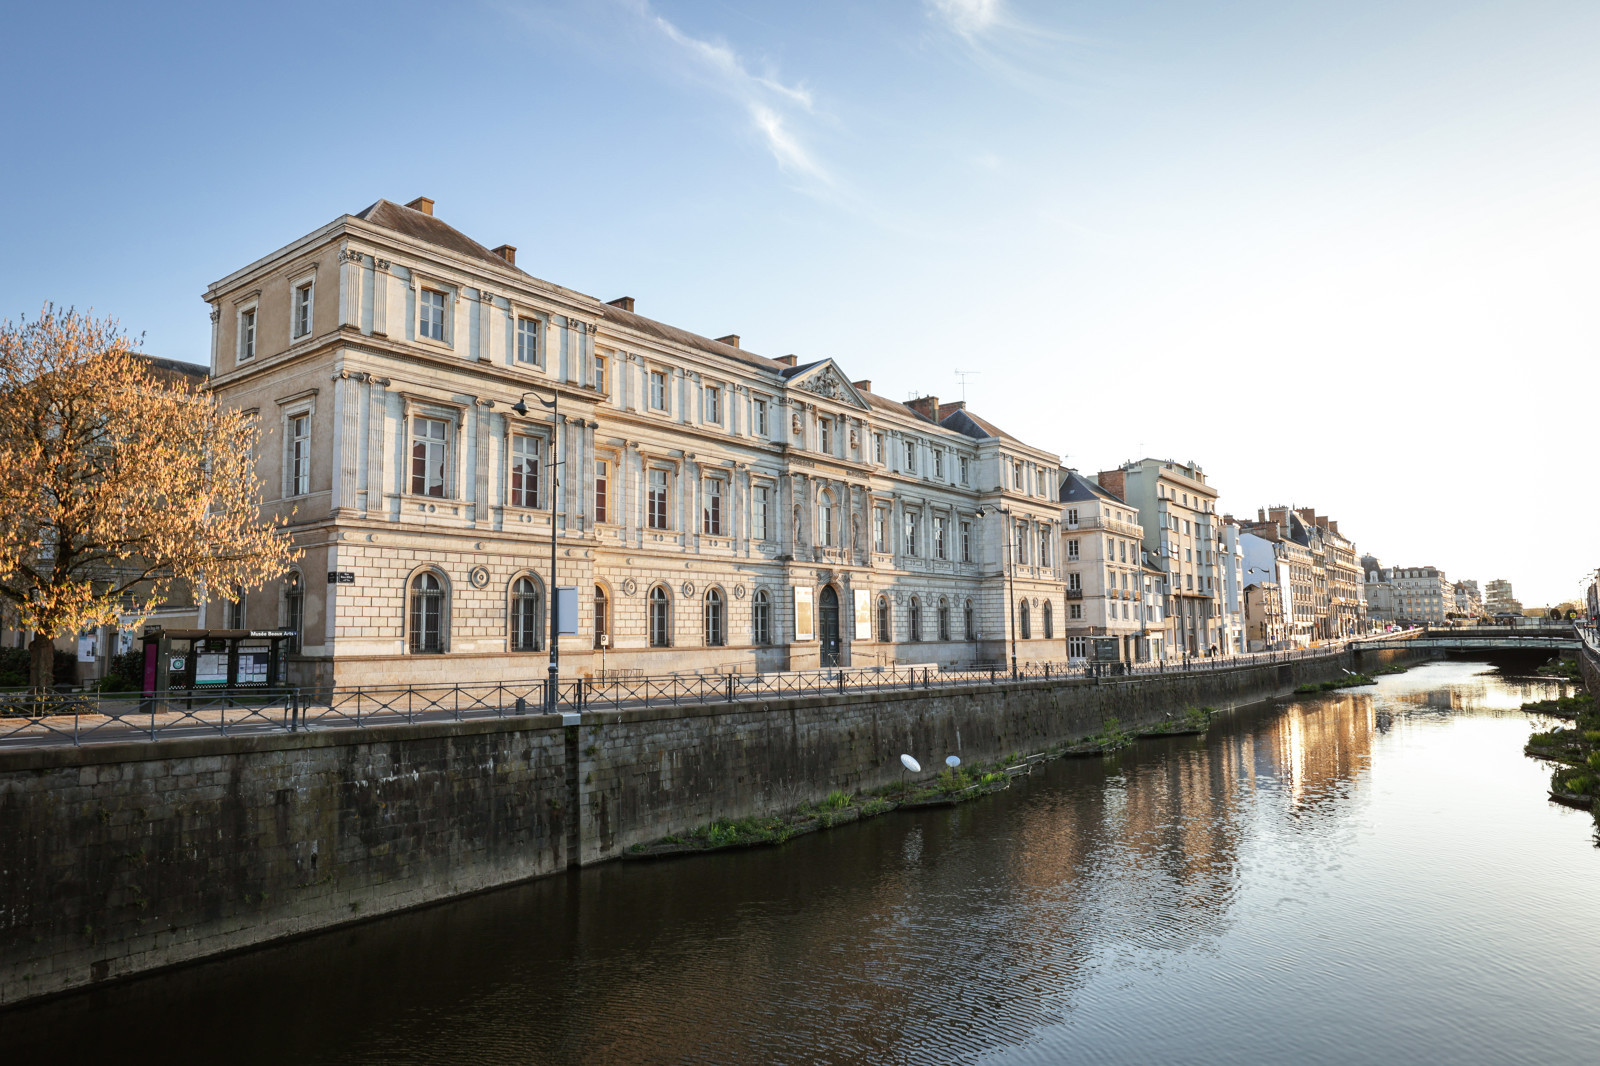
[602,617]
[1049,621]
[761,617]
[884,636]
[660,618]
[526,622]
[716,631]
[970,622]
[944,619]
[916,620]
[429,617]
[1026,625]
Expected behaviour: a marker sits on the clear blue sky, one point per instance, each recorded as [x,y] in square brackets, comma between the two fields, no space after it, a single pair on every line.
[1343,255]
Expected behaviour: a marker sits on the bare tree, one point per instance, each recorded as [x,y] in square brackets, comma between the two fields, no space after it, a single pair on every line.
[115,482]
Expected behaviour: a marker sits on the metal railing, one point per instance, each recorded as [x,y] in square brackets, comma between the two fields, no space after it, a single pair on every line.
[33,719]
[30,718]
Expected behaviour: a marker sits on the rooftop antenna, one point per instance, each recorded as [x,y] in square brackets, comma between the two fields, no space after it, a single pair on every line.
[963,375]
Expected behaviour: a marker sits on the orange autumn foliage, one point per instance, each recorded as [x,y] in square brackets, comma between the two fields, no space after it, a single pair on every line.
[115,482]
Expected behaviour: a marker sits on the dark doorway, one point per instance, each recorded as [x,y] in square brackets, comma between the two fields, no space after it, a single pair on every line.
[828,625]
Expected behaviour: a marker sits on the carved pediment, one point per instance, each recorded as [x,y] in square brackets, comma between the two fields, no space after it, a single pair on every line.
[827,381]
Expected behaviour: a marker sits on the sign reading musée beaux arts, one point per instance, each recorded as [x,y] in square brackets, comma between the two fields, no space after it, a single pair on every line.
[803,627]
[863,614]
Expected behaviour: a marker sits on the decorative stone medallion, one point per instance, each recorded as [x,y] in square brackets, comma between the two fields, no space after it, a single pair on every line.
[479,576]
[738,592]
[629,586]
[688,588]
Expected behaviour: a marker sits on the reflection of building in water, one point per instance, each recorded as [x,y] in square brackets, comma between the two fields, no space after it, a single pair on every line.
[1319,746]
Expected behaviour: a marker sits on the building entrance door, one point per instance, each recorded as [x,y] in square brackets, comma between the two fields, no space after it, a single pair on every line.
[828,625]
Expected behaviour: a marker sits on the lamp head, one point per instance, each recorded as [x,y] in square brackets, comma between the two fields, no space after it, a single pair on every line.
[520,407]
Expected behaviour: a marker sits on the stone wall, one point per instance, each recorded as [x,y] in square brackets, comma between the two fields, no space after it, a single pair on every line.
[116,859]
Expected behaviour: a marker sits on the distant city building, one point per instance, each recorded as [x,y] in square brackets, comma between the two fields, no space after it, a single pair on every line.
[1500,599]
[1263,608]
[1469,604]
[1423,594]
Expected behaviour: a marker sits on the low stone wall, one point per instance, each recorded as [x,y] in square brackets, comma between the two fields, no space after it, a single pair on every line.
[1589,668]
[121,858]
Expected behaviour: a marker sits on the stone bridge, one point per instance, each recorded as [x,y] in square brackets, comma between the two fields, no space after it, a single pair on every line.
[1562,637]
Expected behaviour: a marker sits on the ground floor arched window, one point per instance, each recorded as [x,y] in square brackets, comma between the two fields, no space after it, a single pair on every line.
[715,619]
[884,635]
[761,617]
[1049,621]
[660,618]
[1026,624]
[526,616]
[915,624]
[429,621]
[602,617]
[969,621]
[944,619]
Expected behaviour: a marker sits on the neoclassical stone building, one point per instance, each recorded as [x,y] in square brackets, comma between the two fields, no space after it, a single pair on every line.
[714,509]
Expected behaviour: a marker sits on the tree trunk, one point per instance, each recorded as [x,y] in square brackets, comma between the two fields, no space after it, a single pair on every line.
[41,663]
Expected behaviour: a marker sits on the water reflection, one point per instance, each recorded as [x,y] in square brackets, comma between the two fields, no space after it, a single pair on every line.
[1281,889]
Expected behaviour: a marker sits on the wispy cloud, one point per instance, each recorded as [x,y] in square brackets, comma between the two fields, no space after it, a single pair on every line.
[967,17]
[770,104]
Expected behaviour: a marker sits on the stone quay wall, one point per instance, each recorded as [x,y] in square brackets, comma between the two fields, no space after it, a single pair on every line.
[117,859]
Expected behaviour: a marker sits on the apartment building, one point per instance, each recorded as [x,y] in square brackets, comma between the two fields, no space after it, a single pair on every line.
[1177,511]
[1109,610]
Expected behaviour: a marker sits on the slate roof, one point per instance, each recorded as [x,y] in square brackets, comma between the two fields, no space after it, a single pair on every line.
[173,368]
[965,422]
[1078,489]
[422,227]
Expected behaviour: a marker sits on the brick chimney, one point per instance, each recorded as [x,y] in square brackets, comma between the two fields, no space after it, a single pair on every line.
[787,360]
[1332,525]
[732,338]
[865,384]
[948,409]
[423,204]
[926,406]
[1261,515]
[1113,481]
[508,252]
[624,302]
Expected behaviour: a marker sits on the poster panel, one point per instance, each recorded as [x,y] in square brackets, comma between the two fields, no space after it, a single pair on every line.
[863,614]
[804,628]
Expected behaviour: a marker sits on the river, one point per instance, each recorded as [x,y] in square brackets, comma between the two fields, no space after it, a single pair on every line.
[1371,877]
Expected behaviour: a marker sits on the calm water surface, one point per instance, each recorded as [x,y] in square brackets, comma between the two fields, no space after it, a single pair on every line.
[1374,877]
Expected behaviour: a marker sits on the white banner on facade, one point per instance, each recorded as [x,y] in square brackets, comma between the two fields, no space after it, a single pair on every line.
[566,610]
[803,628]
[863,614]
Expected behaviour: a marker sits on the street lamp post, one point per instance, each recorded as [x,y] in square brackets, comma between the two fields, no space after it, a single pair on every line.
[1005,565]
[521,408]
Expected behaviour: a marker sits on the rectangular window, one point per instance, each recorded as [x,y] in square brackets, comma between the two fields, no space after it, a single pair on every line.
[911,457]
[911,532]
[1072,549]
[656,504]
[602,490]
[1075,611]
[247,335]
[880,530]
[825,436]
[961,469]
[1072,517]
[714,405]
[761,418]
[938,535]
[877,448]
[299,455]
[1078,647]
[763,513]
[1016,474]
[711,507]
[966,542]
[1044,547]
[302,310]
[658,390]
[429,455]
[528,341]
[524,471]
[431,321]
[599,373]
[938,462]
[1074,582]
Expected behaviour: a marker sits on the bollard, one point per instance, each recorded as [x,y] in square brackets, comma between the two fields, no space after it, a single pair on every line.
[522,705]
